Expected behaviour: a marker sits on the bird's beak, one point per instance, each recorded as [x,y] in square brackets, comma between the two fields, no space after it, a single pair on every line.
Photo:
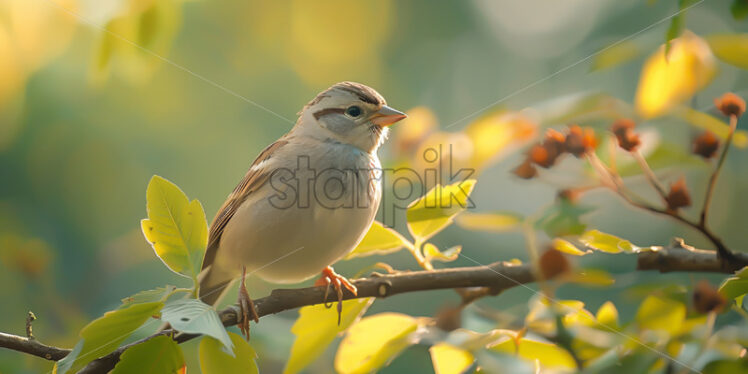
[387,116]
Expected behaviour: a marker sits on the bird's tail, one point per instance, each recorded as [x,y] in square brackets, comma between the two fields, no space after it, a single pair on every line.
[213,285]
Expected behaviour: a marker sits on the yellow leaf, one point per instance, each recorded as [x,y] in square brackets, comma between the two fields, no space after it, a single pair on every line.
[213,359]
[152,26]
[373,342]
[547,354]
[316,327]
[607,243]
[667,81]
[494,134]
[591,277]
[408,134]
[708,122]
[379,240]
[730,48]
[448,359]
[657,313]
[615,55]
[175,227]
[493,222]
[566,247]
[431,252]
[607,315]
[436,209]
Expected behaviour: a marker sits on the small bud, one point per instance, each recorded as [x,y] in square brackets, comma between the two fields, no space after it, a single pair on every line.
[541,157]
[624,132]
[569,194]
[622,126]
[678,196]
[707,299]
[525,170]
[449,318]
[546,153]
[578,141]
[730,104]
[553,263]
[706,145]
[554,142]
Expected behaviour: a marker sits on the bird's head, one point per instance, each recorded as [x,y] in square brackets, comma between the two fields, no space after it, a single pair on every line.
[350,113]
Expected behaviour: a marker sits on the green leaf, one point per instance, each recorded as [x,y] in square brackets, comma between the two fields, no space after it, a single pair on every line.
[374,341]
[727,366]
[431,253]
[664,155]
[448,359]
[379,240]
[213,359]
[548,355]
[734,287]
[657,313]
[492,222]
[436,209]
[563,218]
[607,243]
[195,317]
[708,122]
[105,334]
[739,9]
[176,227]
[615,55]
[316,327]
[158,294]
[160,355]
[580,106]
[742,273]
[566,247]
[677,23]
[730,48]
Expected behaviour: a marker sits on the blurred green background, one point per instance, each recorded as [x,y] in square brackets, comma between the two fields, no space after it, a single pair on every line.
[86,118]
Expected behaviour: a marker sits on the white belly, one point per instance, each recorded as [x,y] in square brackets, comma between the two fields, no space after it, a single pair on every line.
[289,243]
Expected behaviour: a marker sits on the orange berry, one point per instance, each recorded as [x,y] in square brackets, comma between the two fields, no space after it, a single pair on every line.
[730,104]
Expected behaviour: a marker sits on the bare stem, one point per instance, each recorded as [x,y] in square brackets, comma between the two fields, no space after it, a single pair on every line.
[731,262]
[651,177]
[715,173]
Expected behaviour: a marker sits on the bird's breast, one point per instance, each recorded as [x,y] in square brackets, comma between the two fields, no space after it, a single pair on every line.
[310,215]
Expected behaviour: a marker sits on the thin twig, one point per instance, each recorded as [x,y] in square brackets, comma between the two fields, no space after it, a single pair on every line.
[715,173]
[651,177]
[731,261]
[30,318]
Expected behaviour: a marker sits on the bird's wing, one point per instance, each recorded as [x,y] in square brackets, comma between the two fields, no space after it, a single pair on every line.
[256,177]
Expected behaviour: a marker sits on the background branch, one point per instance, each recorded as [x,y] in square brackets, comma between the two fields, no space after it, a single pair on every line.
[32,347]
[495,277]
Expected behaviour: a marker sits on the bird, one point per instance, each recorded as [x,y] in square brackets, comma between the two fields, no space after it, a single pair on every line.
[306,201]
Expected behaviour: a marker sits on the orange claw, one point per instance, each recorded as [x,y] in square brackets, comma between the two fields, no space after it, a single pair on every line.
[329,276]
[246,307]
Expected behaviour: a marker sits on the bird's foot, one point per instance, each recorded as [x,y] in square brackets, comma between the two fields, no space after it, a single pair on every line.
[246,310]
[330,277]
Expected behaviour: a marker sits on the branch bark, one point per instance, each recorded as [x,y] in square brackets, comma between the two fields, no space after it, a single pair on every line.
[32,347]
[498,277]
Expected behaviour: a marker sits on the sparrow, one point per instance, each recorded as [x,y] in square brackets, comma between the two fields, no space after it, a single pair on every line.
[306,201]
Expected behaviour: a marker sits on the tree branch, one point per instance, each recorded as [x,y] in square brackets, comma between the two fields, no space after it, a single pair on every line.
[497,277]
[32,347]
[680,256]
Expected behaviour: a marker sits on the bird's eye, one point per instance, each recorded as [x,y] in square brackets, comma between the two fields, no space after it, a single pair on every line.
[353,111]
